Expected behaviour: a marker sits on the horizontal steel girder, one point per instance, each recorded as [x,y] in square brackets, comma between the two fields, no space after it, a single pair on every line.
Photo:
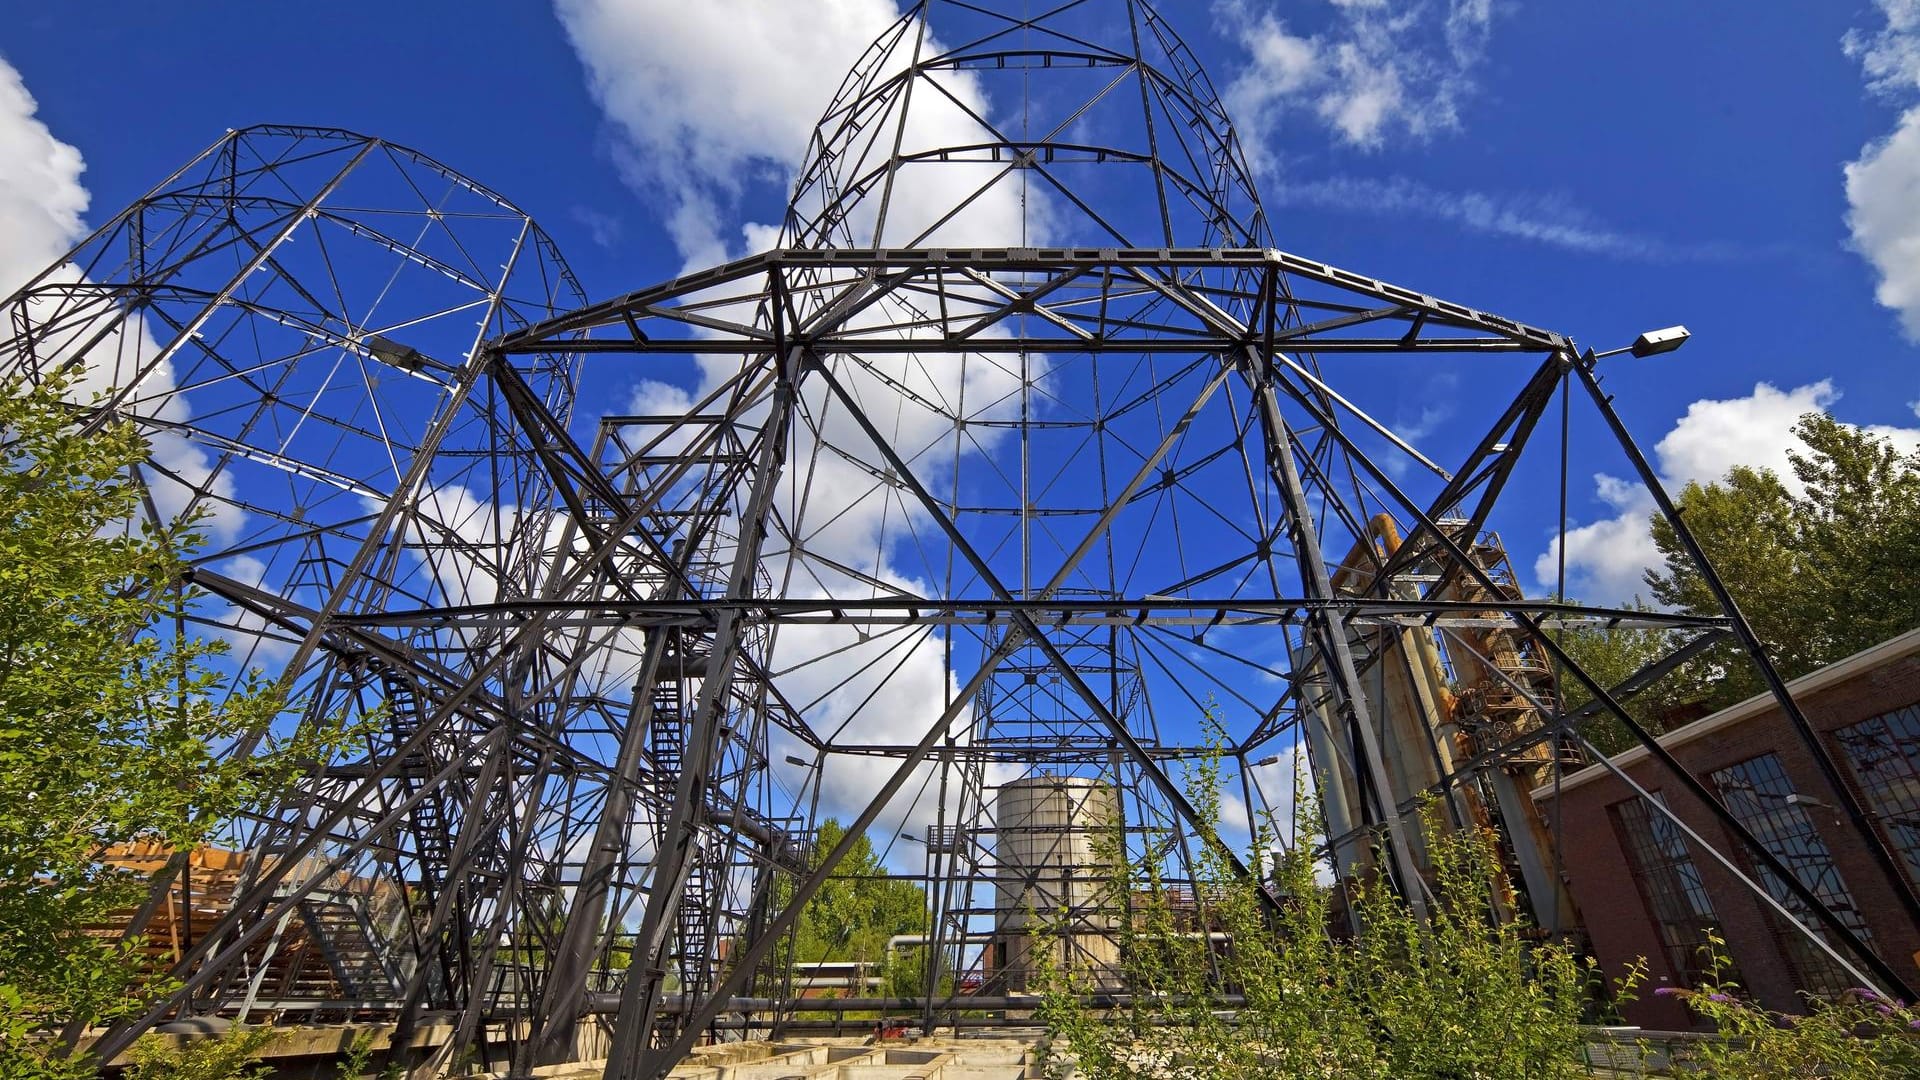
[1082,296]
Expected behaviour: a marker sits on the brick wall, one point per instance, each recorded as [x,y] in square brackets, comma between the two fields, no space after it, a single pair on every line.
[1618,919]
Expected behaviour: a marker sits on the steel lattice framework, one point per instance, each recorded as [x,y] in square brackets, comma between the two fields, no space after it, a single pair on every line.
[1023,450]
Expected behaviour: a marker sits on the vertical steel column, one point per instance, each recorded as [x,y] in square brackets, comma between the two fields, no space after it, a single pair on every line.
[1336,658]
[565,992]
[640,1000]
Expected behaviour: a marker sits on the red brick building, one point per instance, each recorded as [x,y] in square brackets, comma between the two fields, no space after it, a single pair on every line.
[1645,890]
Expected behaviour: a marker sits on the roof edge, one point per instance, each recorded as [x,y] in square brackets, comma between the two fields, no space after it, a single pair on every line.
[1839,671]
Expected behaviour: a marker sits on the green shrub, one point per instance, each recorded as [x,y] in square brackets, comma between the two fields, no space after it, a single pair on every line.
[1456,995]
[1858,1035]
[232,1056]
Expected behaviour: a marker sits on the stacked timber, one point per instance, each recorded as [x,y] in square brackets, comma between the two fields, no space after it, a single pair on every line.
[335,947]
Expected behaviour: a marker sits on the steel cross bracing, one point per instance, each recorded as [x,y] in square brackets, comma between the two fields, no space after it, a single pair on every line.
[1025,451]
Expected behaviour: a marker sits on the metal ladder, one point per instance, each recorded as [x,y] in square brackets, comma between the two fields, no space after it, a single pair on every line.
[433,841]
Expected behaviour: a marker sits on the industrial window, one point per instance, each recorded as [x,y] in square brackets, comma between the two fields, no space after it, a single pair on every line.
[1885,755]
[1759,794]
[1670,884]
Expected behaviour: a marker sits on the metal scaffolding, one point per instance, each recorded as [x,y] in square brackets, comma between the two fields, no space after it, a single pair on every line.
[1024,453]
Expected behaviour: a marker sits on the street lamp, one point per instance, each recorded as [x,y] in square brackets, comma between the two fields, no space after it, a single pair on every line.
[1652,343]
[391,352]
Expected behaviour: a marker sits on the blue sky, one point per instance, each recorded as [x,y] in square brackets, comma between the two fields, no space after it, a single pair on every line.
[1602,168]
[1598,169]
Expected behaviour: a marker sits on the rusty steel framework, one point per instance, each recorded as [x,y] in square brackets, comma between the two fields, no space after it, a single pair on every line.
[1024,450]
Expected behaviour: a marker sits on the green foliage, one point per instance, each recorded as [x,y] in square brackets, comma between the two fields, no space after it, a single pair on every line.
[359,1058]
[1457,995]
[1820,575]
[1859,1035]
[1611,656]
[114,725]
[855,912]
[857,909]
[232,1056]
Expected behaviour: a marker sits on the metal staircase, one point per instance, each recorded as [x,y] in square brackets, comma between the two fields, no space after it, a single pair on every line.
[695,947]
[427,821]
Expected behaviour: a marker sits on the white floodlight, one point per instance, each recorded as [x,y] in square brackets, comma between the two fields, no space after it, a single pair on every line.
[389,351]
[1655,342]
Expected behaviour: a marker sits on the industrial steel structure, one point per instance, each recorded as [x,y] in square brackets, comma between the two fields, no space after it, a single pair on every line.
[1026,460]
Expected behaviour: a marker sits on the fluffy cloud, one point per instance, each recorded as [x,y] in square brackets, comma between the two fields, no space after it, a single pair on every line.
[1883,187]
[1377,69]
[1883,183]
[709,103]
[1890,56]
[1607,558]
[41,198]
[711,100]
[41,206]
[712,97]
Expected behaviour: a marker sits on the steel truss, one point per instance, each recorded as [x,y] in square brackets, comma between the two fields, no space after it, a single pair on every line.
[986,477]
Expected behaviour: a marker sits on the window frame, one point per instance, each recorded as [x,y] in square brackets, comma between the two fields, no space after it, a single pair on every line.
[1879,788]
[1760,794]
[1671,888]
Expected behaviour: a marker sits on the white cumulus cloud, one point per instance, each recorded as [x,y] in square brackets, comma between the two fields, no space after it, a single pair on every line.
[1607,558]
[1377,69]
[41,197]
[710,98]
[716,99]
[1883,188]
[42,208]
[1883,183]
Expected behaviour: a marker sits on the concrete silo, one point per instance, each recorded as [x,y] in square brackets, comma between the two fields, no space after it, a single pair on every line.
[1048,829]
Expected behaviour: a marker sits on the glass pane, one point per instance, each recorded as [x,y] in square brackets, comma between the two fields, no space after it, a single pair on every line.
[1759,794]
[1671,885]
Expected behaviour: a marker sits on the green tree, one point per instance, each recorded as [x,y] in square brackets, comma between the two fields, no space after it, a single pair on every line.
[859,908]
[115,723]
[1820,574]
